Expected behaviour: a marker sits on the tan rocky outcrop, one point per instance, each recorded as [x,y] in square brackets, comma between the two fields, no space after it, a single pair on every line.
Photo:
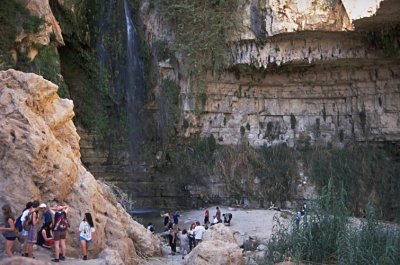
[40,159]
[218,247]
[50,27]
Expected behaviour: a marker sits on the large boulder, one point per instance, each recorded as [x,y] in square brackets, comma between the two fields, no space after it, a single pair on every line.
[40,159]
[218,247]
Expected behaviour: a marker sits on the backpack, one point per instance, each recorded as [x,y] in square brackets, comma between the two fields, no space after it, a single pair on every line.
[61,223]
[27,222]
[18,224]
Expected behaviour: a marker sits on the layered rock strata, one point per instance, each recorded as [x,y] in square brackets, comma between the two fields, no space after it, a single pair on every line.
[40,159]
[316,104]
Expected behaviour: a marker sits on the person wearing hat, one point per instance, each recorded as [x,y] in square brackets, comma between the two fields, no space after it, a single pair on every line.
[46,214]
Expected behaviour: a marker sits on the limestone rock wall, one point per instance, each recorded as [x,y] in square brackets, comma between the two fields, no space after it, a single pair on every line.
[294,15]
[40,159]
[319,105]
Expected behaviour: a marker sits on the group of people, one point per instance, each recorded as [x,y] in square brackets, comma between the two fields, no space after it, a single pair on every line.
[188,238]
[44,226]
[217,217]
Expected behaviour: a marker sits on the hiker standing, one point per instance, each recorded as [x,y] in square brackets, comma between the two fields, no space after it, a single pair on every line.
[198,232]
[206,216]
[30,225]
[218,215]
[184,247]
[24,233]
[8,229]
[86,228]
[60,231]
[192,242]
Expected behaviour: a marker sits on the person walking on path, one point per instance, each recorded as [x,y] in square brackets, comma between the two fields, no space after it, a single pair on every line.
[8,229]
[87,229]
[60,231]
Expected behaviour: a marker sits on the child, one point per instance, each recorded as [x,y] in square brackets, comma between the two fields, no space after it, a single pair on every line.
[87,229]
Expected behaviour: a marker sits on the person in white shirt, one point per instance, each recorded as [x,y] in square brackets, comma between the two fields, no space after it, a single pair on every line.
[198,232]
[87,229]
[24,233]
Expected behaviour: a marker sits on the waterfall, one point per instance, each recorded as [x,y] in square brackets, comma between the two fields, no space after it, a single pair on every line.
[134,85]
[122,69]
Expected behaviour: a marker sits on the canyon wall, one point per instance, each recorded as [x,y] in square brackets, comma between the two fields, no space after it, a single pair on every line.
[40,160]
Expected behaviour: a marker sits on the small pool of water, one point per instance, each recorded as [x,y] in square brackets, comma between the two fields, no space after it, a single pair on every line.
[146,216]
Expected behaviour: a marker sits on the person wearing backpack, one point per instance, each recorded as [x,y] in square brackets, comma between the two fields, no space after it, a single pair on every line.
[31,225]
[60,227]
[8,229]
[21,229]
[86,229]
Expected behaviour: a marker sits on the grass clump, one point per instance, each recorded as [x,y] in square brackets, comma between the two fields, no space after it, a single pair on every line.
[369,173]
[326,235]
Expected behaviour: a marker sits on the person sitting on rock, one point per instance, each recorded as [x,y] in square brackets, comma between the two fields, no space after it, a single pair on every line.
[215,221]
[45,236]
[150,228]
[227,218]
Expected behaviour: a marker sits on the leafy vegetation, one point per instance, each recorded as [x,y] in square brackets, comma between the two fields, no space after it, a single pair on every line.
[326,235]
[266,173]
[202,30]
[14,18]
[191,162]
[367,172]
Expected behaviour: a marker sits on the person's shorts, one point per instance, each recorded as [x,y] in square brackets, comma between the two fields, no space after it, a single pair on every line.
[84,239]
[57,235]
[11,238]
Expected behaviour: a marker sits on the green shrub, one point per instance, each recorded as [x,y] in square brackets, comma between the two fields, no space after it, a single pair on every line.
[326,235]
[202,31]
[14,18]
[367,172]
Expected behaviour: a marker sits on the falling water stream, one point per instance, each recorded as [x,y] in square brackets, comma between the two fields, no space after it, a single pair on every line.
[134,86]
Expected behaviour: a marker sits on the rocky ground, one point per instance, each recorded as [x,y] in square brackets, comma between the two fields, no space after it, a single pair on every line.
[248,226]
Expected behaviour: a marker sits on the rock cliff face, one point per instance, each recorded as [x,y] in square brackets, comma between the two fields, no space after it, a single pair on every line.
[40,159]
[305,79]
[50,27]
